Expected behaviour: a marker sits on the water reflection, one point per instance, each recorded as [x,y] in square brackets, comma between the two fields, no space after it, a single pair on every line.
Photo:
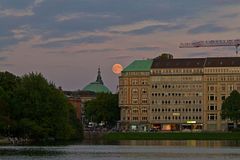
[127,150]
[189,143]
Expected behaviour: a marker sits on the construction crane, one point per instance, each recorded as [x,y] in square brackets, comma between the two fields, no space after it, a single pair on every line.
[212,43]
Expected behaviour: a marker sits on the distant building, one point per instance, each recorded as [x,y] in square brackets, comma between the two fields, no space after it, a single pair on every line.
[177,94]
[97,86]
[78,98]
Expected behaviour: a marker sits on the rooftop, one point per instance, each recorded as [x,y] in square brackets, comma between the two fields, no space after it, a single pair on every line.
[139,65]
[197,62]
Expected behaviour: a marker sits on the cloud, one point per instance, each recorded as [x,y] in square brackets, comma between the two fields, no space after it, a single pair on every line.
[160,28]
[90,51]
[20,12]
[6,42]
[207,28]
[147,48]
[3,58]
[67,41]
[78,15]
[232,15]
[136,26]
[198,54]
[22,32]
[122,57]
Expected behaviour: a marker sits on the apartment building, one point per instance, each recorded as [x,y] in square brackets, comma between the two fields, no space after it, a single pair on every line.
[182,94]
[134,98]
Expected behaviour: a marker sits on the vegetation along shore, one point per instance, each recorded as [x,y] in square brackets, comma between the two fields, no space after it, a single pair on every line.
[172,136]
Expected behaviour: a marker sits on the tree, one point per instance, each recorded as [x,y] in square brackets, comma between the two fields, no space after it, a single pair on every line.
[231,108]
[41,111]
[103,108]
[8,83]
[4,110]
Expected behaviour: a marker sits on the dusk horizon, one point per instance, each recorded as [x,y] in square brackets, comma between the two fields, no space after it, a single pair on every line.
[67,40]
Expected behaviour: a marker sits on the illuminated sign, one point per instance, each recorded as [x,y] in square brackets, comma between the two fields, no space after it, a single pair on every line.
[191,122]
[176,114]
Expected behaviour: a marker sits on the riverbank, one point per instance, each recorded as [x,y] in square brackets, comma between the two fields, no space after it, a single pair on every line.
[172,136]
[4,141]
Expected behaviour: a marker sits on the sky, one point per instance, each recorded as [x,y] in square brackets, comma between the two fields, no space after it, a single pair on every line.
[66,40]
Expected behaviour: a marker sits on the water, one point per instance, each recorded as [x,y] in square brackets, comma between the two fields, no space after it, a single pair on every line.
[127,150]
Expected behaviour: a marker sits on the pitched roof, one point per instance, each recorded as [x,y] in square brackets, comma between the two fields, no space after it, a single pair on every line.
[139,65]
[197,62]
[178,63]
[222,62]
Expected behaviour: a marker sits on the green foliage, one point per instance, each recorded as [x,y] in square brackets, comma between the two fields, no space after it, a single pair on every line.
[103,108]
[172,136]
[8,81]
[231,107]
[36,109]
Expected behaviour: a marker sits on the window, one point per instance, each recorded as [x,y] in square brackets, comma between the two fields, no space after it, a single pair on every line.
[144,118]
[144,101]
[212,117]
[223,97]
[135,101]
[223,88]
[135,118]
[212,107]
[144,90]
[134,91]
[212,97]
[144,82]
[134,82]
[135,110]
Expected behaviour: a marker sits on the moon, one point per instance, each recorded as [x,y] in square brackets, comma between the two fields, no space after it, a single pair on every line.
[117,68]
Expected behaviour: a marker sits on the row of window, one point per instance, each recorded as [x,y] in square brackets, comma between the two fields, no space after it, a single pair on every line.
[214,98]
[177,94]
[222,70]
[133,82]
[143,101]
[180,71]
[136,111]
[214,88]
[176,110]
[176,71]
[135,73]
[176,102]
[211,117]
[223,78]
[135,91]
[172,86]
[177,118]
[136,82]
[137,118]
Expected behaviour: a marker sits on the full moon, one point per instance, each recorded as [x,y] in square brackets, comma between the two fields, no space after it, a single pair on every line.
[117,68]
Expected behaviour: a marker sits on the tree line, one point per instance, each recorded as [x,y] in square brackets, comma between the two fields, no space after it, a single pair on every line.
[33,108]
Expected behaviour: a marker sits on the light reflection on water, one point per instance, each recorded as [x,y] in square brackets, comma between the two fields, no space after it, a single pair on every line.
[127,150]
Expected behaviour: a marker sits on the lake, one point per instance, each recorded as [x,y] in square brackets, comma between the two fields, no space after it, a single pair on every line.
[127,150]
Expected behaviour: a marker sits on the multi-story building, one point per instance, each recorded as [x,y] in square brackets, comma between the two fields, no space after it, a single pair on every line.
[183,94]
[134,95]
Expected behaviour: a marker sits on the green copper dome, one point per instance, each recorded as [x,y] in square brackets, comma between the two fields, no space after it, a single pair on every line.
[97,86]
